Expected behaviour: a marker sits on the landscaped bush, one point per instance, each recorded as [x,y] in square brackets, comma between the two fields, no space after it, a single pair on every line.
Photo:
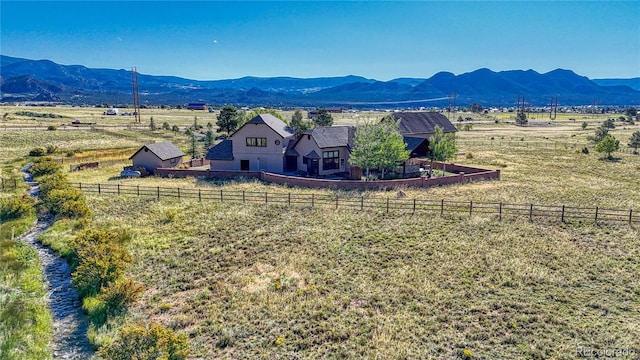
[136,341]
[16,207]
[44,166]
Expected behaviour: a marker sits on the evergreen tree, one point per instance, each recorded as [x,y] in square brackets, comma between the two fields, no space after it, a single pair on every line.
[634,141]
[608,145]
[298,124]
[227,119]
[323,118]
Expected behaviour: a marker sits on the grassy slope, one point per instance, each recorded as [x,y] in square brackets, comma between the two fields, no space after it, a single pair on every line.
[25,322]
[250,283]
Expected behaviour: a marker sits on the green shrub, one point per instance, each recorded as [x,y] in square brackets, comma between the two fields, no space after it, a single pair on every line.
[56,198]
[44,166]
[96,310]
[136,341]
[16,207]
[51,127]
[37,152]
[55,181]
[52,149]
[75,209]
[99,265]
[119,294]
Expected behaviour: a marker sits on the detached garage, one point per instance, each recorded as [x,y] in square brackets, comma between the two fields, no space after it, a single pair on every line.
[153,156]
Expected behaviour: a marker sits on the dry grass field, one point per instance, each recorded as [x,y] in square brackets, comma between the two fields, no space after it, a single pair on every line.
[246,282]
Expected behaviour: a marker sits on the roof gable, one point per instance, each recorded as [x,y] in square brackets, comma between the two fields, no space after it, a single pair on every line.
[272,122]
[422,122]
[221,151]
[163,150]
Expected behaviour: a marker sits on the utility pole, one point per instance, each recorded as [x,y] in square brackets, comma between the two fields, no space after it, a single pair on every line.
[136,98]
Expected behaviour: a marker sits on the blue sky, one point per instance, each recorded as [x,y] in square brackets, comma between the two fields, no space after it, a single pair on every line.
[210,40]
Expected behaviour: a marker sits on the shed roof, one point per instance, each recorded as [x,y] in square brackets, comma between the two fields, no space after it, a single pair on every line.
[163,150]
[274,123]
[221,151]
[422,122]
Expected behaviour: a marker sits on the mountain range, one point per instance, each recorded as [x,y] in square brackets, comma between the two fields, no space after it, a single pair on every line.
[43,80]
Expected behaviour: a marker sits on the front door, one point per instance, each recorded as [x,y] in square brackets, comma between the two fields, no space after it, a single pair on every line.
[312,167]
[244,165]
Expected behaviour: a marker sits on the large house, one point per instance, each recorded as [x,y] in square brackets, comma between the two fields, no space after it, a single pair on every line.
[152,156]
[266,143]
[259,144]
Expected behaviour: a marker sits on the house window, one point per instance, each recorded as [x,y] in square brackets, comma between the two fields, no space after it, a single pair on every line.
[257,142]
[330,160]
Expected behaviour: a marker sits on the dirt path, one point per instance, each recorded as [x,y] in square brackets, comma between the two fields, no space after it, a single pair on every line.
[70,325]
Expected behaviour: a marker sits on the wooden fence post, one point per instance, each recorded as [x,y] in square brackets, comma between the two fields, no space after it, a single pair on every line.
[562,216]
[243,197]
[387,204]
[99,192]
[80,185]
[2,183]
[158,192]
[470,208]
[138,190]
[118,189]
[531,213]
[266,200]
[289,199]
[312,199]
[500,211]
[630,216]
[178,193]
[414,207]
[337,197]
[221,199]
[442,207]
[596,219]
[361,203]
[199,195]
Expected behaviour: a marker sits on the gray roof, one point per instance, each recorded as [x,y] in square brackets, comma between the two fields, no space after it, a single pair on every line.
[413,142]
[221,151]
[274,123]
[312,155]
[163,150]
[333,136]
[422,122]
[290,150]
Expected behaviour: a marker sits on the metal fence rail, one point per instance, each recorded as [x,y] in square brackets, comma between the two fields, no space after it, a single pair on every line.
[498,210]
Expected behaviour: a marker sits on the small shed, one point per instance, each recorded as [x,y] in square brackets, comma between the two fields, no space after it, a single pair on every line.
[153,156]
